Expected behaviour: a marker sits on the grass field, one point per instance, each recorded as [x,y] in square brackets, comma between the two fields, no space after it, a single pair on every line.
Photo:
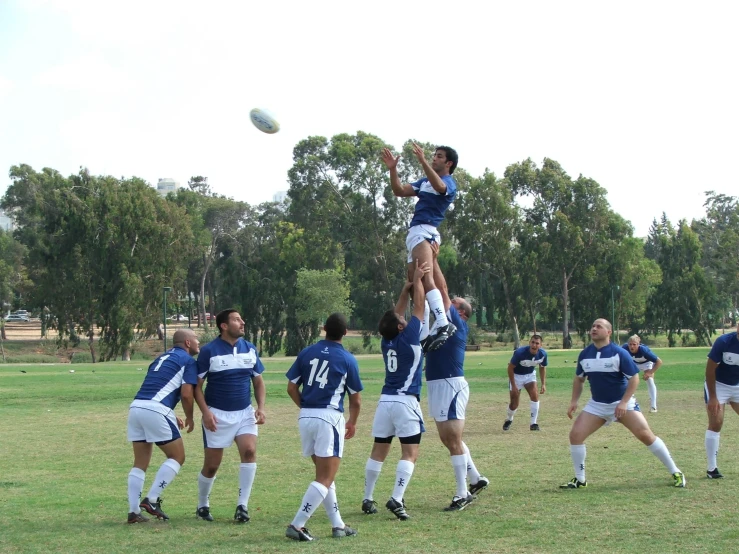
[64,461]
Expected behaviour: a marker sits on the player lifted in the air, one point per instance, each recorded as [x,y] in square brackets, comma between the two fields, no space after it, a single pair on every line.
[435,194]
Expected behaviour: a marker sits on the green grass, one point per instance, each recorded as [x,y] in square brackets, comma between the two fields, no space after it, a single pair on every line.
[65,461]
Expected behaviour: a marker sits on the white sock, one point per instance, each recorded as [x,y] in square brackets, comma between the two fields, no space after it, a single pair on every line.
[712,442]
[246,480]
[332,508]
[437,307]
[135,485]
[403,473]
[311,500]
[371,474]
[511,413]
[659,449]
[205,485]
[534,411]
[166,474]
[472,474]
[459,464]
[425,322]
[652,388]
[578,452]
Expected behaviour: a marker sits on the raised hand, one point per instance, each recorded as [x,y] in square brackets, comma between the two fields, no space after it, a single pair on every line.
[420,155]
[390,161]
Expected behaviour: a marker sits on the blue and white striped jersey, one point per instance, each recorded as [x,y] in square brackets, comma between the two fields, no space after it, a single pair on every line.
[644,357]
[228,371]
[403,356]
[608,370]
[725,352]
[431,205]
[526,362]
[326,372]
[166,375]
[448,361]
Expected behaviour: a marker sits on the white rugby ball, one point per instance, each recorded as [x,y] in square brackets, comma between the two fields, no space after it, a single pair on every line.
[264,121]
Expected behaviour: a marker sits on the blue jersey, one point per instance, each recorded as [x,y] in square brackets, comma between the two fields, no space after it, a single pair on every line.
[725,352]
[431,205]
[525,361]
[608,370]
[166,375]
[448,361]
[644,357]
[326,372]
[229,370]
[403,356]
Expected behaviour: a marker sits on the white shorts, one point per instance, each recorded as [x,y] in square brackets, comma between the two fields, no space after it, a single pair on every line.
[448,398]
[398,416]
[522,380]
[321,432]
[724,393]
[419,233]
[230,425]
[608,411]
[151,421]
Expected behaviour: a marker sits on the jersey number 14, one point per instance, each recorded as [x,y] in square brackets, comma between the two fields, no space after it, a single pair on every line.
[320,375]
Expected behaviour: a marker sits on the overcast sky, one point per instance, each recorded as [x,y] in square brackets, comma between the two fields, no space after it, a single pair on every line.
[640,96]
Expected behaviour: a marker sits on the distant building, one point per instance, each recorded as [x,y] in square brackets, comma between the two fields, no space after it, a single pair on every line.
[167,185]
[6,224]
[279,196]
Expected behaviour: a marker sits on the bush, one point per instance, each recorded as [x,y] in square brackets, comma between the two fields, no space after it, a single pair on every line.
[31,359]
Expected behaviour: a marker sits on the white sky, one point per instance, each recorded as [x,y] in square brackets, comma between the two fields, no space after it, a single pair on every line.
[639,95]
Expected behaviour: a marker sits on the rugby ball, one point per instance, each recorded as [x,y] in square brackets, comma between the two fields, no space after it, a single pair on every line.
[264,121]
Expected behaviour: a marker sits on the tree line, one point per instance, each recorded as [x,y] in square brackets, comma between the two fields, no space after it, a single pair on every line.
[534,249]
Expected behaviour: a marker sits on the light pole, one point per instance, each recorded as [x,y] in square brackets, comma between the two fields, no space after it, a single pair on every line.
[164,310]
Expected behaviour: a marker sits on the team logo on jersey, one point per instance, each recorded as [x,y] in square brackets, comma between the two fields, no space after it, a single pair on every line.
[325,350]
[730,358]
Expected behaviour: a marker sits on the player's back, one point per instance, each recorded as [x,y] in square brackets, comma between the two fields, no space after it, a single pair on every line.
[326,372]
[165,376]
[402,356]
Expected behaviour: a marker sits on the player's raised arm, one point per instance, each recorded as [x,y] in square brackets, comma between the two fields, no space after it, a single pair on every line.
[391,162]
[433,177]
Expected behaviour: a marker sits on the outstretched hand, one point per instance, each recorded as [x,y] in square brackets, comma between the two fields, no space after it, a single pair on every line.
[390,161]
[419,153]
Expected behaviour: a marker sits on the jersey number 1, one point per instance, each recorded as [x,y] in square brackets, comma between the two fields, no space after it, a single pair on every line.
[322,376]
[161,361]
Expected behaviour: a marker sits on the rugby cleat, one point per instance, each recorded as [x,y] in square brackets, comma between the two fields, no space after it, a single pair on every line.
[137,518]
[714,474]
[369,506]
[574,484]
[459,503]
[507,424]
[154,508]
[534,427]
[204,513]
[302,534]
[652,410]
[479,486]
[679,479]
[346,531]
[241,515]
[441,336]
[397,508]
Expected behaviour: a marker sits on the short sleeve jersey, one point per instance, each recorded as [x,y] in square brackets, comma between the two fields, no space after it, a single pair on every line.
[326,372]
[403,356]
[644,357]
[431,205]
[448,361]
[166,375]
[228,371]
[608,370]
[725,352]
[525,362]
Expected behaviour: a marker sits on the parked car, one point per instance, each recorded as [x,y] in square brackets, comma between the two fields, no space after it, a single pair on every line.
[179,317]
[16,317]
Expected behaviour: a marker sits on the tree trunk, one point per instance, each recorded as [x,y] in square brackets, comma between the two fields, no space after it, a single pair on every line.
[126,354]
[211,301]
[206,267]
[566,340]
[511,313]
[91,342]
